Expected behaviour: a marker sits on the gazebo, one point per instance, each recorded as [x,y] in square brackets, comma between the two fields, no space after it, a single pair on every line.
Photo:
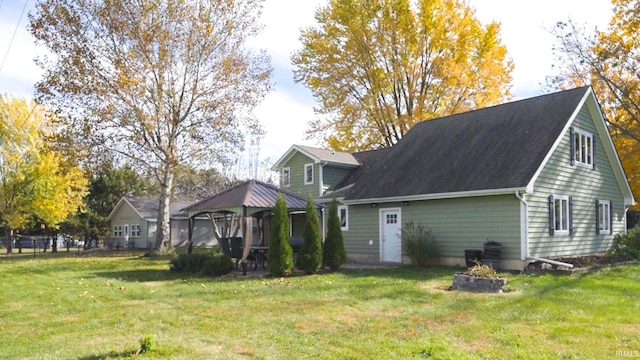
[249,200]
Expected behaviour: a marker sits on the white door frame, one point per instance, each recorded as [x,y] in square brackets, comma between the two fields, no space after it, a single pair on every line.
[382,223]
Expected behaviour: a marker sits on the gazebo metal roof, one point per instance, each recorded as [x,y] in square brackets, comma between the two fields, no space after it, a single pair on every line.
[252,196]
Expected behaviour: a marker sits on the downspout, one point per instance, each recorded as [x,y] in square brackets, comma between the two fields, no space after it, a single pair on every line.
[526,236]
[321,192]
[321,178]
[626,209]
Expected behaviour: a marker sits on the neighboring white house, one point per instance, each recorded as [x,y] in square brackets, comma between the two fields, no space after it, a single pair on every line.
[134,224]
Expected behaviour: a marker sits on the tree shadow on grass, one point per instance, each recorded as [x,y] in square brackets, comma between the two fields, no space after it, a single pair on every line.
[145,275]
[111,355]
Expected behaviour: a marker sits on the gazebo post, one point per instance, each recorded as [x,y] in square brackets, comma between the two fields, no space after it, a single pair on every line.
[190,230]
[246,236]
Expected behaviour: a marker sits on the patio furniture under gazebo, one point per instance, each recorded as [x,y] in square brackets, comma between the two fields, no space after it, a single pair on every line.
[251,199]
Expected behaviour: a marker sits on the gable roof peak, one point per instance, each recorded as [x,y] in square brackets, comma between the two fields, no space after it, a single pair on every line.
[318,155]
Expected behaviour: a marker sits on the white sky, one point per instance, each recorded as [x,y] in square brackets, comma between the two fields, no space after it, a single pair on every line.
[286,111]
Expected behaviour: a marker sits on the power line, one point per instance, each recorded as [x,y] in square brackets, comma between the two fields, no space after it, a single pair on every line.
[14,33]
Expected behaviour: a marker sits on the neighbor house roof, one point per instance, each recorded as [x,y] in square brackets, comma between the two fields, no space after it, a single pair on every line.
[147,208]
[491,150]
[252,195]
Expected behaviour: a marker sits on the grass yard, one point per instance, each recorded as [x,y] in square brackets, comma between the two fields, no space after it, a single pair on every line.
[66,307]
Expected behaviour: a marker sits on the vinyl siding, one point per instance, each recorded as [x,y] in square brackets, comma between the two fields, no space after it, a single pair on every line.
[332,176]
[203,231]
[126,215]
[457,224]
[585,185]
[296,166]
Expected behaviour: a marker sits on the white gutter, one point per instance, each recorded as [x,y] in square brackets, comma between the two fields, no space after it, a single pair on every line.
[525,236]
[449,195]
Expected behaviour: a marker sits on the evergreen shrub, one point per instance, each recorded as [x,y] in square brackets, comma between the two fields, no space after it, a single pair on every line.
[333,251]
[210,263]
[280,255]
[310,257]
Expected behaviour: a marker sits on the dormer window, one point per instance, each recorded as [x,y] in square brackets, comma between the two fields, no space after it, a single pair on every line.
[285,177]
[308,174]
[582,149]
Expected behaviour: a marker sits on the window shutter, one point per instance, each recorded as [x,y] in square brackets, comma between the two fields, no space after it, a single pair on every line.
[597,217]
[593,150]
[572,145]
[552,224]
[570,214]
[610,217]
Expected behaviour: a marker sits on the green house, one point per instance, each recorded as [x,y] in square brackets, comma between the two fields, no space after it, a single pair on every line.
[541,176]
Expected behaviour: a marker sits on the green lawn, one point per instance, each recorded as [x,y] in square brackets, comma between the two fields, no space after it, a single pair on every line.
[67,307]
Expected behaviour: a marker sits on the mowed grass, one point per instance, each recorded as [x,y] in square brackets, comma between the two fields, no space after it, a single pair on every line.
[66,307]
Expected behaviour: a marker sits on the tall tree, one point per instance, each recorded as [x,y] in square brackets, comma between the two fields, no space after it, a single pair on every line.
[608,61]
[198,184]
[163,82]
[379,66]
[35,181]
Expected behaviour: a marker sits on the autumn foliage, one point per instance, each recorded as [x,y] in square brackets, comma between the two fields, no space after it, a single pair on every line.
[377,67]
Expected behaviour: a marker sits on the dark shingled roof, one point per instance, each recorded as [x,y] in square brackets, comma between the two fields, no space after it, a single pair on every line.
[148,207]
[499,147]
[251,194]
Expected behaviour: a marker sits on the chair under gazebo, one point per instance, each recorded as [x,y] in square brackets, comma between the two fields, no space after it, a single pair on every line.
[239,208]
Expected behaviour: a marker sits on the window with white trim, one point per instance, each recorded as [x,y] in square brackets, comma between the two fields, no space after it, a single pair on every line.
[603,217]
[343,214]
[117,231]
[583,148]
[560,215]
[285,177]
[135,230]
[308,174]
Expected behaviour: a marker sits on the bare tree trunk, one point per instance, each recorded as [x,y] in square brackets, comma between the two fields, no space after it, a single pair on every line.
[163,235]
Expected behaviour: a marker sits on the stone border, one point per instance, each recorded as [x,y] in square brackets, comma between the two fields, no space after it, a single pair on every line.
[471,283]
[580,270]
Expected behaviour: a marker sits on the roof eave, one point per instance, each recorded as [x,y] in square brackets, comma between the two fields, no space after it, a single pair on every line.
[449,195]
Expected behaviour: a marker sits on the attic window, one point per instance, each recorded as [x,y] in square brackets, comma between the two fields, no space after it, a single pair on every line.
[308,174]
[285,178]
[583,148]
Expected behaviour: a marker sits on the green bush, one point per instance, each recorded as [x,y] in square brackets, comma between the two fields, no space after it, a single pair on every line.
[148,344]
[628,245]
[418,243]
[333,251]
[210,263]
[310,257]
[280,255]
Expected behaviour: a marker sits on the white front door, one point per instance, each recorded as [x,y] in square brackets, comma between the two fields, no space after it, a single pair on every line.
[390,244]
[126,235]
